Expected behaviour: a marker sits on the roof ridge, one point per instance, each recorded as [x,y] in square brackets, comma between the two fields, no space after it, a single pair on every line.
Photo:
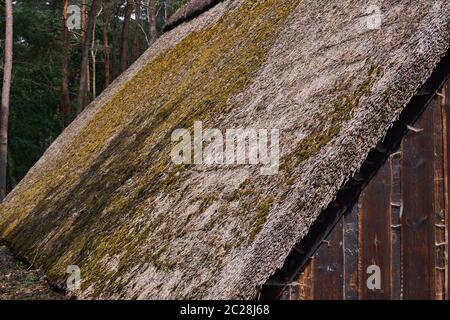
[189,11]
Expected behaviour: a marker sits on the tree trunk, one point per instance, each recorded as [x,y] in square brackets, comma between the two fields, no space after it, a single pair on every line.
[94,66]
[94,50]
[65,97]
[136,45]
[106,50]
[85,57]
[114,50]
[166,10]
[12,182]
[83,20]
[151,17]
[6,88]
[125,36]
[83,33]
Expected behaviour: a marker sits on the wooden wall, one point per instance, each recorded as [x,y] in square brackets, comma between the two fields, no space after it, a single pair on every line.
[400,224]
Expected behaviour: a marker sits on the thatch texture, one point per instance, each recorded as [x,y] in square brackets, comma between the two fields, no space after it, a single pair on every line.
[106,196]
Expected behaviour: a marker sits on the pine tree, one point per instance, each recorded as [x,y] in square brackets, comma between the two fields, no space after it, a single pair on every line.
[6,88]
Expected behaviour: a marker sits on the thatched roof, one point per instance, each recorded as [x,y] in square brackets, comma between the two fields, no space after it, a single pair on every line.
[107,197]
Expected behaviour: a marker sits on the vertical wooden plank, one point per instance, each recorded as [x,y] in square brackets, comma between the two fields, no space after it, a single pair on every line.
[438,198]
[350,247]
[302,287]
[396,211]
[374,246]
[446,135]
[328,267]
[305,283]
[417,227]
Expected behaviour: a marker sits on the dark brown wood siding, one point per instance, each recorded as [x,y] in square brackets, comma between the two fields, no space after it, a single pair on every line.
[399,224]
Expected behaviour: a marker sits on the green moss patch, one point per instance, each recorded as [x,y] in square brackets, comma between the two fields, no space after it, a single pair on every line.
[97,202]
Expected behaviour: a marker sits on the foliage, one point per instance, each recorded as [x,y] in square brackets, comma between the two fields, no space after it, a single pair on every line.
[34,102]
[35,115]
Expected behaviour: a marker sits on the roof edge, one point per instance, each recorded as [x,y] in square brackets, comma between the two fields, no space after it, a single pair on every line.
[189,11]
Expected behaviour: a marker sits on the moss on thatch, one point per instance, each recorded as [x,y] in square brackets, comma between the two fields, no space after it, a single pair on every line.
[108,198]
[191,81]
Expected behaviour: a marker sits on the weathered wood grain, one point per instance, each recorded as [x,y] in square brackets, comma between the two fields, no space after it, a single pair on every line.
[396,212]
[374,226]
[438,197]
[305,283]
[418,218]
[328,267]
[446,135]
[350,247]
